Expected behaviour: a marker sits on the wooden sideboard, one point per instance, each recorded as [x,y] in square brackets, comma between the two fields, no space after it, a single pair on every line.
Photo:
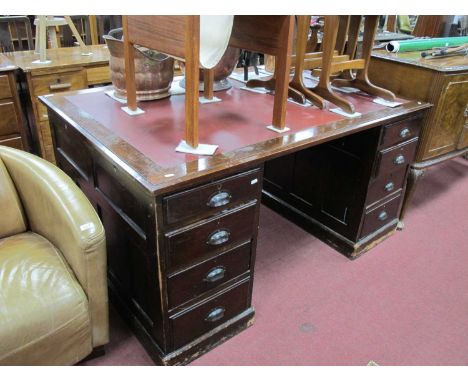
[68,70]
[182,229]
[13,131]
[442,82]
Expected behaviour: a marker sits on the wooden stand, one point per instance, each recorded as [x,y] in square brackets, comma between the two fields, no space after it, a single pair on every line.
[270,35]
[337,31]
[177,36]
[45,25]
[361,79]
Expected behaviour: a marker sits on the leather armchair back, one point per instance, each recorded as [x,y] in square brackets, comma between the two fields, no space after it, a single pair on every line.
[58,210]
[12,221]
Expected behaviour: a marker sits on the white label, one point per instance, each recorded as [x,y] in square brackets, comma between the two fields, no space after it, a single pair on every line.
[254,181]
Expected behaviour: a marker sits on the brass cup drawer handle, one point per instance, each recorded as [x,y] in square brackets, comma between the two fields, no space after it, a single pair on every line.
[400,159]
[215,314]
[218,237]
[405,132]
[215,274]
[383,216]
[60,86]
[390,186]
[221,198]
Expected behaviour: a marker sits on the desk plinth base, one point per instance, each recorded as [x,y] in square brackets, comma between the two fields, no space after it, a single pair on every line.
[189,352]
[343,245]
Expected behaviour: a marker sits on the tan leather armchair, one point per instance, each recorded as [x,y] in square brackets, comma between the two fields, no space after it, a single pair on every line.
[53,287]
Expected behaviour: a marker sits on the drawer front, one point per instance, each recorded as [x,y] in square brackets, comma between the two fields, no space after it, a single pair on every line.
[190,283]
[16,142]
[400,132]
[211,236]
[385,185]
[211,198]
[8,119]
[396,157]
[70,145]
[98,75]
[197,320]
[59,82]
[381,215]
[5,90]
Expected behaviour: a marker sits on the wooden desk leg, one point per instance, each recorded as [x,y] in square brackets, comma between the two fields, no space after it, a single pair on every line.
[192,77]
[93,30]
[282,67]
[129,68]
[414,177]
[297,82]
[323,89]
[208,81]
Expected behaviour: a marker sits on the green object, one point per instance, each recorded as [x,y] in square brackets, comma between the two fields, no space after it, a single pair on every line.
[424,44]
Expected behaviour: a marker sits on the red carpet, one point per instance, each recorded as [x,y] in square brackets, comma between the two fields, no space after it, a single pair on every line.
[403,303]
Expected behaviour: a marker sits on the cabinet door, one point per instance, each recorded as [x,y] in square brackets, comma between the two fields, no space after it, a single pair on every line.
[451,119]
[464,137]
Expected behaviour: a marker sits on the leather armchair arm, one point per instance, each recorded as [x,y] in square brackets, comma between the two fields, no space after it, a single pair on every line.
[58,210]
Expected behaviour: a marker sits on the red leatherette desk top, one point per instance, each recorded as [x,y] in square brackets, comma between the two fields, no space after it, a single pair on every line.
[145,144]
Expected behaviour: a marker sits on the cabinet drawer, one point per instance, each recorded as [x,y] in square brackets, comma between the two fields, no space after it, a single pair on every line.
[59,82]
[400,132]
[211,198]
[385,185]
[15,142]
[379,216]
[396,157]
[192,282]
[8,119]
[210,236]
[5,90]
[201,318]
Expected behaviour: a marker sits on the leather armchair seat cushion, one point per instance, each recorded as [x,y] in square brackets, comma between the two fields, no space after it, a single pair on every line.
[44,315]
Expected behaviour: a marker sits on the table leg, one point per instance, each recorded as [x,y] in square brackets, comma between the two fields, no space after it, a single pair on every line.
[414,177]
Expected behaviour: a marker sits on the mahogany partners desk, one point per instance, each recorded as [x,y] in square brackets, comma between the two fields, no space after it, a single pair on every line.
[181,230]
[67,70]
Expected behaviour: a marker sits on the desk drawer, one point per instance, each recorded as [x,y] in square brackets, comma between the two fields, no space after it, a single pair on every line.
[385,185]
[8,119]
[199,319]
[396,157]
[381,215]
[98,75]
[185,285]
[400,132]
[5,90]
[206,200]
[59,82]
[187,245]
